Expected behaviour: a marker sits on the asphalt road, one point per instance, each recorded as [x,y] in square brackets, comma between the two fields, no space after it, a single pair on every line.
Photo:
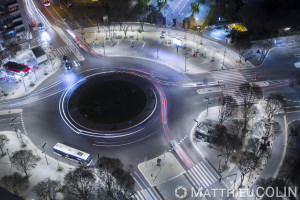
[43,122]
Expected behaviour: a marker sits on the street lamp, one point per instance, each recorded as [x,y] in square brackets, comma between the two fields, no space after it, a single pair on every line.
[219,19]
[24,83]
[44,153]
[104,46]
[199,27]
[13,125]
[185,63]
[224,55]
[8,154]
[207,105]
[157,50]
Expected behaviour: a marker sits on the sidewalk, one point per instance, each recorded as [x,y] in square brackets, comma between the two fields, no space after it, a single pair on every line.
[169,169]
[40,171]
[260,48]
[148,44]
[231,175]
[17,87]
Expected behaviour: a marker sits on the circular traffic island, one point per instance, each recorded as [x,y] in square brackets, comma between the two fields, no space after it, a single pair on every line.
[110,102]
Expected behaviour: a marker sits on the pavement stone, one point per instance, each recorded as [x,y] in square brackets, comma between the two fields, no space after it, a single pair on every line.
[156,175]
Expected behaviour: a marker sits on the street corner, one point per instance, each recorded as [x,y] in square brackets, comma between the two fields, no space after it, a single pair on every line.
[161,169]
[177,189]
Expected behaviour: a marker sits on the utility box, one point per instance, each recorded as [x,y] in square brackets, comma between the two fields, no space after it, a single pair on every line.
[39,54]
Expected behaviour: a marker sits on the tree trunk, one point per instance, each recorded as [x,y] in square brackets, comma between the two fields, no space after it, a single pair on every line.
[25,172]
[1,150]
[242,179]
[226,160]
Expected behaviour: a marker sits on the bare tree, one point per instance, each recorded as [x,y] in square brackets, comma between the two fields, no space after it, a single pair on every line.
[247,163]
[243,48]
[23,159]
[235,127]
[125,29]
[274,104]
[142,22]
[3,141]
[121,25]
[227,105]
[47,189]
[15,183]
[118,183]
[258,148]
[249,94]
[106,167]
[228,144]
[80,184]
[125,183]
[271,130]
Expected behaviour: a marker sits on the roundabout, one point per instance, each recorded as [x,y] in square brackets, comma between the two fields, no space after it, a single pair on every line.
[138,92]
[110,102]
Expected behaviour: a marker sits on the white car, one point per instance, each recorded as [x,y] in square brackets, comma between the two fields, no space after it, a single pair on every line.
[76,63]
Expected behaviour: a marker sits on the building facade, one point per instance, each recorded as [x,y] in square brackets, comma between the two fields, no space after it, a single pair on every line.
[13,21]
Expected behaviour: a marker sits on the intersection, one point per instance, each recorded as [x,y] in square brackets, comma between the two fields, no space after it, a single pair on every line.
[176,76]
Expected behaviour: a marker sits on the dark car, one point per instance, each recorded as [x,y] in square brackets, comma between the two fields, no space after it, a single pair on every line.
[65,59]
[41,27]
[68,66]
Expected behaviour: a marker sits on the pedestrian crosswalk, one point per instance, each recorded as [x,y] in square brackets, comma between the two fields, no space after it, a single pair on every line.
[202,176]
[63,50]
[231,80]
[141,195]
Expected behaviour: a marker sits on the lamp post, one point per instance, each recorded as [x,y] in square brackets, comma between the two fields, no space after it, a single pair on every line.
[199,27]
[44,153]
[8,154]
[185,63]
[24,83]
[104,46]
[34,75]
[224,55]
[13,125]
[157,50]
[9,159]
[207,105]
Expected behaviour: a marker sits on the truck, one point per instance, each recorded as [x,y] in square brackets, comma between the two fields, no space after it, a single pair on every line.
[39,54]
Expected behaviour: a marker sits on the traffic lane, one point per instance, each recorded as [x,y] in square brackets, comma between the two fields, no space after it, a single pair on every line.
[293,115]
[281,59]
[159,71]
[46,102]
[44,124]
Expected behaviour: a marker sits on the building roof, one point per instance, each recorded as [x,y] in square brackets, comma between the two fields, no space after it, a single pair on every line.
[16,67]
[38,51]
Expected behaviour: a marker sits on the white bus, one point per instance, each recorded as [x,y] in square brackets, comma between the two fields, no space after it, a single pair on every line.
[72,154]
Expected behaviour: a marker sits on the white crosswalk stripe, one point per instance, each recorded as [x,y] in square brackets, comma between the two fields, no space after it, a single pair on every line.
[140,195]
[202,176]
[231,80]
[63,50]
